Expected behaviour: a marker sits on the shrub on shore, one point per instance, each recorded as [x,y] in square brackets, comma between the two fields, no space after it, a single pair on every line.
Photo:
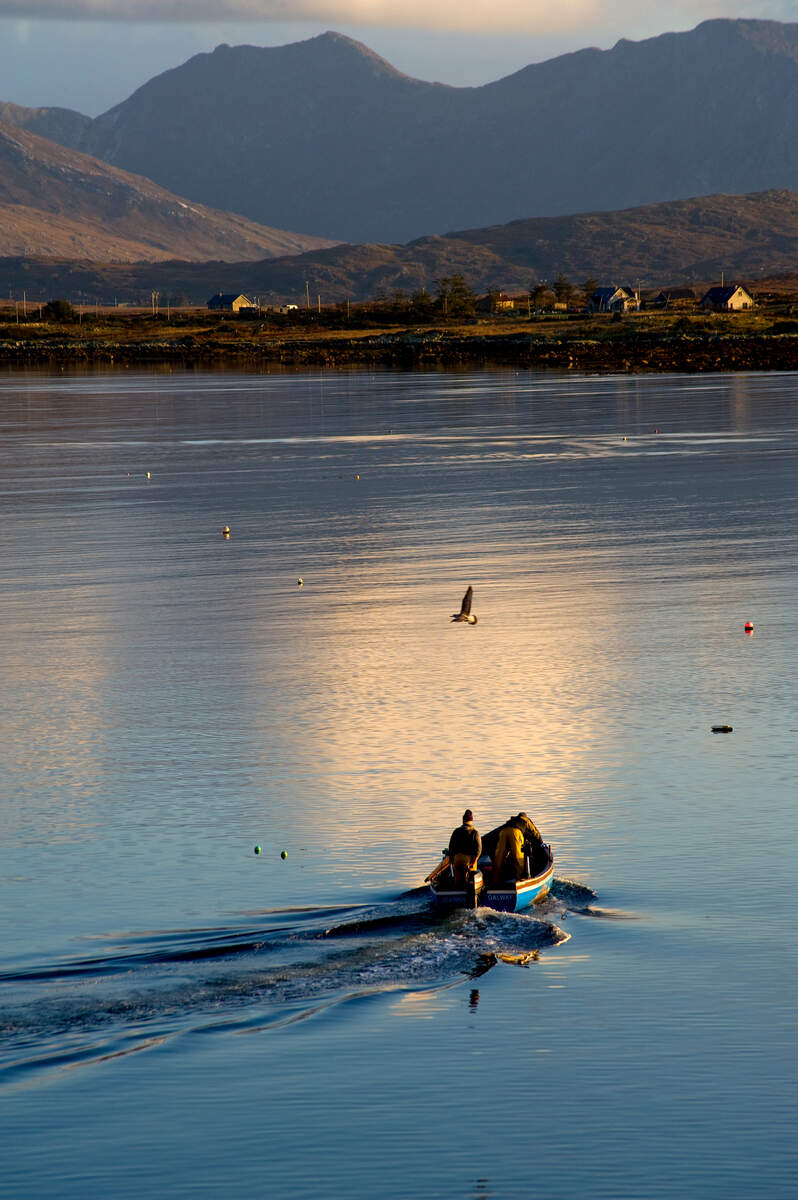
[58,310]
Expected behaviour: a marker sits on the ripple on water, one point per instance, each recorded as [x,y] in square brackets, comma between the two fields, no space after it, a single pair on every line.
[156,986]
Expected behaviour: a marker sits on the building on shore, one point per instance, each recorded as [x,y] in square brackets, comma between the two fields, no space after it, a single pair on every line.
[675,297]
[229,302]
[730,297]
[611,299]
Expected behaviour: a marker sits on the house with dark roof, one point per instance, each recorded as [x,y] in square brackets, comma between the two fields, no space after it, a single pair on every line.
[229,302]
[501,302]
[670,296]
[730,297]
[611,299]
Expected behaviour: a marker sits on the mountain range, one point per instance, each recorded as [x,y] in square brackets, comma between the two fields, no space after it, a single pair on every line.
[55,201]
[327,137]
[679,242]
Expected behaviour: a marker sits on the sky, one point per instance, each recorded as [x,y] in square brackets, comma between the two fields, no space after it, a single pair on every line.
[92,54]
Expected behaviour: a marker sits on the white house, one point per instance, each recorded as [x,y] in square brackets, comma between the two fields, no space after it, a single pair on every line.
[228,302]
[611,299]
[729,298]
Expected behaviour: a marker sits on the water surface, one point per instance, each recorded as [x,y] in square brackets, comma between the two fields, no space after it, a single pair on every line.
[181,1016]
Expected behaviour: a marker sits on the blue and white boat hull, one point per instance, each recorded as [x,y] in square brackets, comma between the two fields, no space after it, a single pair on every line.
[509,896]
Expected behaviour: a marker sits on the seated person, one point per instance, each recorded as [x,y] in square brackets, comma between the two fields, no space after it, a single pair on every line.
[465,847]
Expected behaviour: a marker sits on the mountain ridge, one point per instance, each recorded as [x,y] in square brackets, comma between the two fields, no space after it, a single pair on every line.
[326,136]
[683,242]
[58,201]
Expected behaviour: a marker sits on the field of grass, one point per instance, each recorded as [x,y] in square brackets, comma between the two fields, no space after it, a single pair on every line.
[764,337]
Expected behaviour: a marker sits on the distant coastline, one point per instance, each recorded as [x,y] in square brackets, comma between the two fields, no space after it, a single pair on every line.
[625,350]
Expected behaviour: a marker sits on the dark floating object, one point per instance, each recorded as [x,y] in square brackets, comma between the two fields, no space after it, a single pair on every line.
[465,609]
[722,728]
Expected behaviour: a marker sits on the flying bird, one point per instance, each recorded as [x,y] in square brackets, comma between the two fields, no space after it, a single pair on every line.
[465,609]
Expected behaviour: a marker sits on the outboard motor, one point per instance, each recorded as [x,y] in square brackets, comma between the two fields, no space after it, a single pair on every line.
[474,885]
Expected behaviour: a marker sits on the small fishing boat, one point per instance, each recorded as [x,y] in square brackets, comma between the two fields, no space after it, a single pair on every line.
[511,895]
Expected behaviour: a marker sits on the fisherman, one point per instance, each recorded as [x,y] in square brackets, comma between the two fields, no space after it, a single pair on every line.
[508,858]
[517,840]
[533,840]
[465,847]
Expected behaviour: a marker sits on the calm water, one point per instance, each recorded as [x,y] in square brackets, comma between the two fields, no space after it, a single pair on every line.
[182,1017]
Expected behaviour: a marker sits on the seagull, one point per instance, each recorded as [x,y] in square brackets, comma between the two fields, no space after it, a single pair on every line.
[465,609]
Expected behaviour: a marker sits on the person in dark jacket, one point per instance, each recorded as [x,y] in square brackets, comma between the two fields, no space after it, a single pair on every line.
[465,847]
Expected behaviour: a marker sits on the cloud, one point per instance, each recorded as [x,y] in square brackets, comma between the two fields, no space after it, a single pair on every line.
[523,16]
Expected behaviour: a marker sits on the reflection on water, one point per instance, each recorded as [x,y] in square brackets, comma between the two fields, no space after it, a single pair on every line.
[172,699]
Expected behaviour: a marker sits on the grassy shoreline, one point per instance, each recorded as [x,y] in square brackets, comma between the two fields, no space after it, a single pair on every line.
[637,343]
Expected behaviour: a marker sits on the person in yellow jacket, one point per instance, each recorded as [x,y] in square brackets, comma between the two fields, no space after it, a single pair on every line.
[508,860]
[530,829]
[517,837]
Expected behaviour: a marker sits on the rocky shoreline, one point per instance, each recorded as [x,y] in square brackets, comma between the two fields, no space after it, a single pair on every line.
[692,352]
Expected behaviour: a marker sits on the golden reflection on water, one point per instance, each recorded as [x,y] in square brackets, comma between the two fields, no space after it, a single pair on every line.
[57,723]
[408,718]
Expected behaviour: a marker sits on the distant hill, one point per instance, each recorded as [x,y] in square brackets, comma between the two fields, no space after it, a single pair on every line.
[327,137]
[681,242]
[61,125]
[59,202]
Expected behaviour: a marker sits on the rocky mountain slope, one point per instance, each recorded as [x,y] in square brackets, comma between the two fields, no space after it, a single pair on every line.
[327,137]
[55,201]
[681,242]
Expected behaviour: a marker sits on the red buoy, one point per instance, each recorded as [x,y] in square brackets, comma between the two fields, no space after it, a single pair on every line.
[749,627]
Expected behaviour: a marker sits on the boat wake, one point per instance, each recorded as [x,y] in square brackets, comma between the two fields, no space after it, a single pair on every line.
[276,968]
